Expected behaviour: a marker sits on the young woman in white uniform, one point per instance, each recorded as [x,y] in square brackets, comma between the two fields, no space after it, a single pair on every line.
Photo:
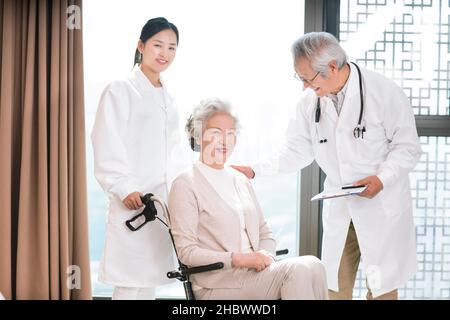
[134,136]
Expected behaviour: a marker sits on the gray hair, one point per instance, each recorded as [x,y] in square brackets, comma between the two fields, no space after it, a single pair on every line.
[320,48]
[201,114]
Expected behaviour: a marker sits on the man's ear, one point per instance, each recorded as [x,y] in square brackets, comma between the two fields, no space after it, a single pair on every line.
[333,66]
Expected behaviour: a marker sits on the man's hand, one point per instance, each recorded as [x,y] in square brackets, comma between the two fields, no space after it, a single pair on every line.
[258,260]
[248,171]
[133,201]
[374,185]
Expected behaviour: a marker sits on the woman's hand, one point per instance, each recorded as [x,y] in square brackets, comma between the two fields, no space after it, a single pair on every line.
[133,201]
[258,260]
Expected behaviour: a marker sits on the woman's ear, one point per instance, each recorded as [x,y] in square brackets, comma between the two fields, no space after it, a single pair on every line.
[140,46]
[198,144]
[195,145]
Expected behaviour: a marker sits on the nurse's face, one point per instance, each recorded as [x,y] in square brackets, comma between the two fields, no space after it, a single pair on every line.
[159,51]
[218,139]
[321,84]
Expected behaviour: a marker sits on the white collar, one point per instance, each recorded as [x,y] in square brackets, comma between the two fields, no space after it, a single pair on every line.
[204,166]
[141,79]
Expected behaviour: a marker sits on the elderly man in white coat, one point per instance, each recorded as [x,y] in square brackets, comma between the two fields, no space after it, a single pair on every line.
[360,128]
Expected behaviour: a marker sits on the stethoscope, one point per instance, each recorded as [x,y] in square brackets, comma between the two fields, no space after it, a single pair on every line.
[359,130]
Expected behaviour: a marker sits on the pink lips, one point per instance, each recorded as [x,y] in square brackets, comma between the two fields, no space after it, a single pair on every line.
[161,61]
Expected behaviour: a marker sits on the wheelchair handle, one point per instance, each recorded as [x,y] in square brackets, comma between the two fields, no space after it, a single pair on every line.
[282,252]
[130,221]
[149,213]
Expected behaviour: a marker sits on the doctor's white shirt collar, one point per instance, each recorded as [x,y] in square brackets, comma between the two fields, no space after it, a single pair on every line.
[338,98]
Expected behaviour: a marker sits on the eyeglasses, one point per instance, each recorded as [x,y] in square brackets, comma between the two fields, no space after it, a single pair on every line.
[296,76]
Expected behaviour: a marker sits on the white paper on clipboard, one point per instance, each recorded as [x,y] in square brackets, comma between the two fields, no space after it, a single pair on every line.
[328,194]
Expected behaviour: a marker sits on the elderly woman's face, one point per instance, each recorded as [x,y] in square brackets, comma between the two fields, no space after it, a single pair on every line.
[218,139]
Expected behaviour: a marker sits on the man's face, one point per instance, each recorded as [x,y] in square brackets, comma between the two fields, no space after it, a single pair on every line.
[321,84]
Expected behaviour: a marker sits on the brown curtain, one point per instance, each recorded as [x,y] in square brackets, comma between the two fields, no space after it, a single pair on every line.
[43,201]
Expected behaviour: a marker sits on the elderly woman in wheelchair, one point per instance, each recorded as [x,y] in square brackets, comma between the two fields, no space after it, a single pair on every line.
[215,217]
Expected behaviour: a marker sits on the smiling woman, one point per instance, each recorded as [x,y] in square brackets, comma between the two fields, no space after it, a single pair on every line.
[156,48]
[247,62]
[215,217]
[130,113]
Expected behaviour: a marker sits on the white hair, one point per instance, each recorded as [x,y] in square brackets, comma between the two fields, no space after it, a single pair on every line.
[320,48]
[201,114]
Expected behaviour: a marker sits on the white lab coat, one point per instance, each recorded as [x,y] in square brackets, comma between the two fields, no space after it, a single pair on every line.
[390,149]
[134,139]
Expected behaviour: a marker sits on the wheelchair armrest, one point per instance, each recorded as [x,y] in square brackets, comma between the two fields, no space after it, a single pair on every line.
[282,252]
[183,272]
[200,269]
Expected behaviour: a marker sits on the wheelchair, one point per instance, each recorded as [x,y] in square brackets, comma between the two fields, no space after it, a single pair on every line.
[183,272]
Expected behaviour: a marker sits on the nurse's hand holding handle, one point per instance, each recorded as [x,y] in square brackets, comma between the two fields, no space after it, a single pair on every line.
[133,201]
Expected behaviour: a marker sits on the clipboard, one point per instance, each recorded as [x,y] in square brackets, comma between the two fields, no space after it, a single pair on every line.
[342,192]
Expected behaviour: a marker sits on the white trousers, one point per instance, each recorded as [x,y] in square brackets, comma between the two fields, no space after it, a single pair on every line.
[299,278]
[130,293]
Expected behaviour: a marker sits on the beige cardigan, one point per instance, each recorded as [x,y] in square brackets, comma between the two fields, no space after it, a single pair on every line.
[207,230]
